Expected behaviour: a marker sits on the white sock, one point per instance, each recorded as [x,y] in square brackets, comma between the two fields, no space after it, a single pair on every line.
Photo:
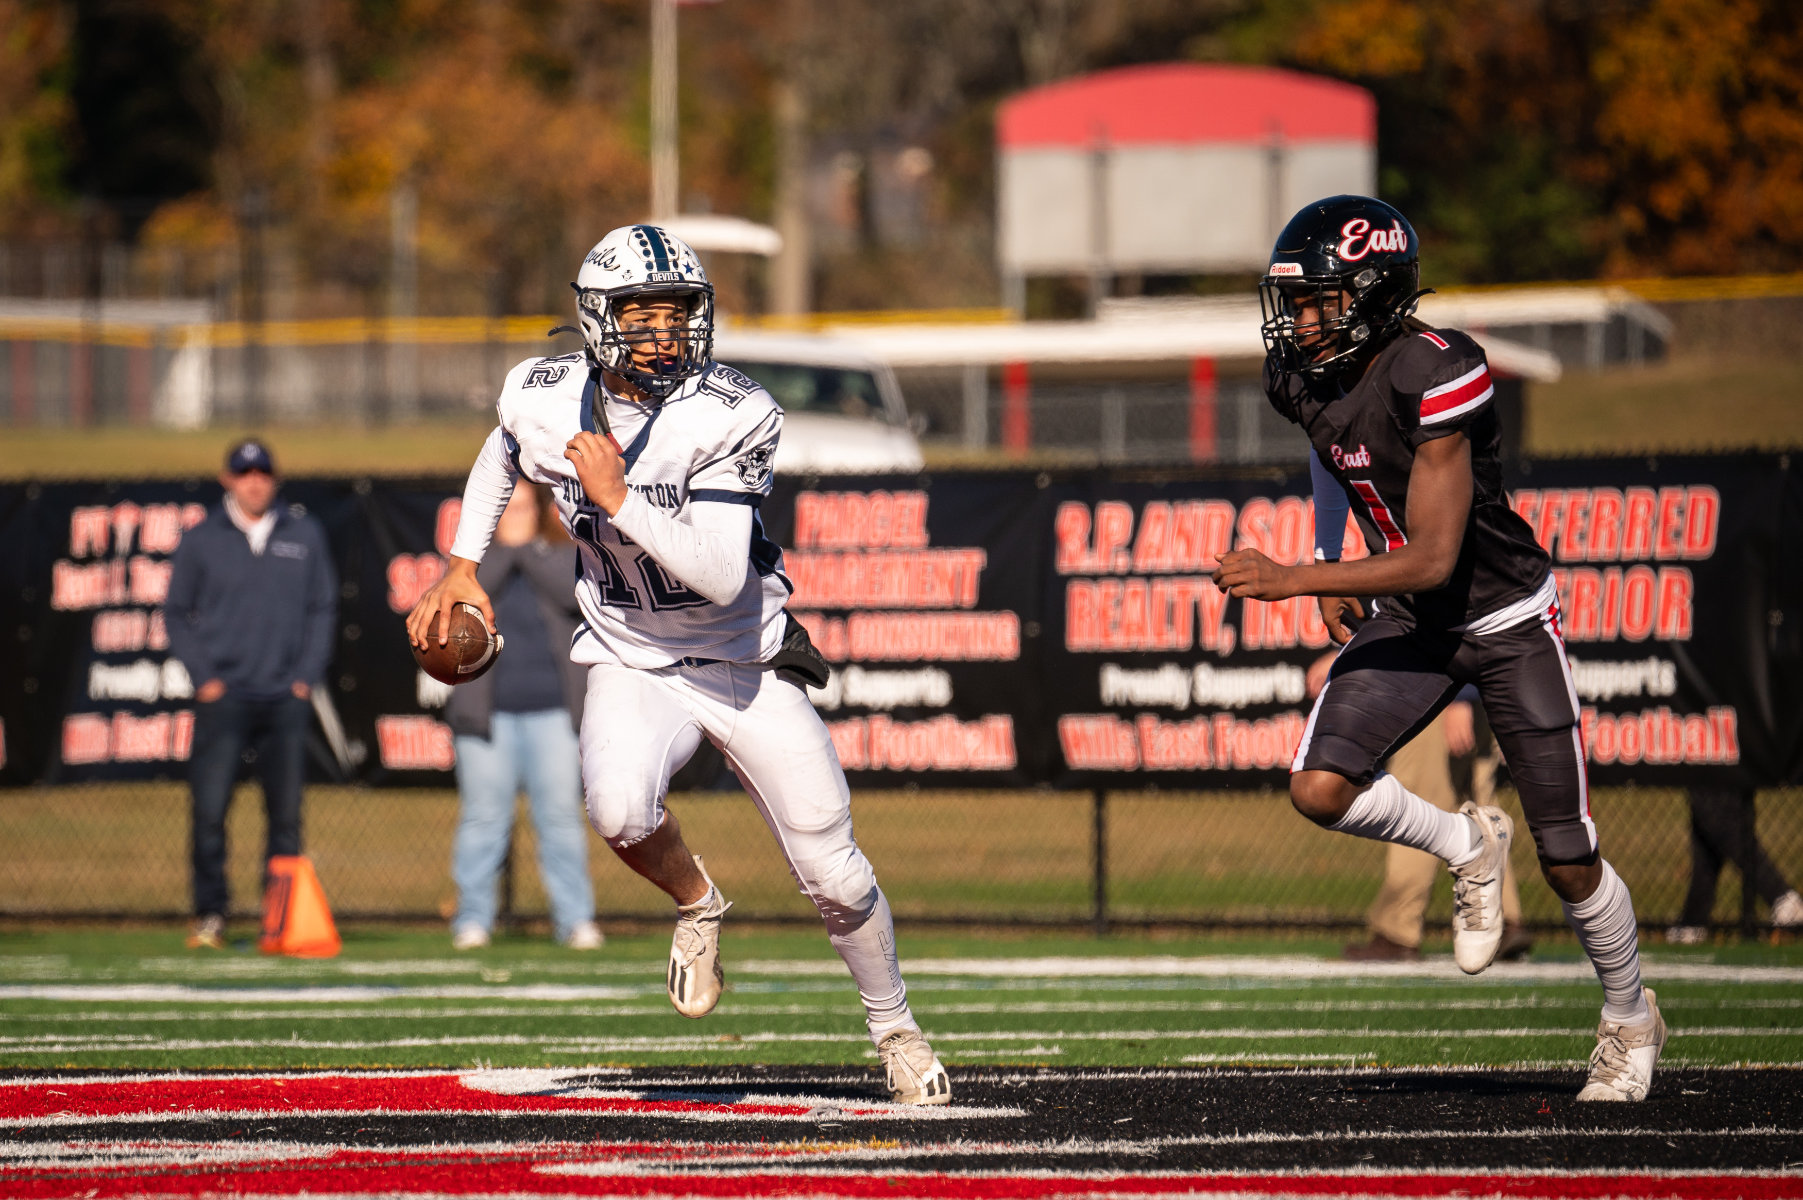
[1388,812]
[869,952]
[1605,928]
[710,900]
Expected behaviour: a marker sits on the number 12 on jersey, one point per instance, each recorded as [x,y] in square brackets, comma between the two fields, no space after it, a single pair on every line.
[615,589]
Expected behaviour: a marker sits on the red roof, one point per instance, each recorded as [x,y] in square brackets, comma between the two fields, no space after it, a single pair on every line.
[1187,103]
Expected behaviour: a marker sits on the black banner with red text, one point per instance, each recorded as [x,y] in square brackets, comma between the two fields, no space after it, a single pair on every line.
[994,629]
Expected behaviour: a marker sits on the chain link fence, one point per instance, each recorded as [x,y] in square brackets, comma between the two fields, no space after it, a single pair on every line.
[1118,420]
[163,365]
[1076,859]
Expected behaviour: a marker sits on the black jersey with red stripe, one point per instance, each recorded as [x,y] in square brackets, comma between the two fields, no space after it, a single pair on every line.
[1426,384]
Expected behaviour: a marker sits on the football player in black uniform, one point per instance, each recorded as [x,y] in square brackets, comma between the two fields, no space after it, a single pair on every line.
[1401,421]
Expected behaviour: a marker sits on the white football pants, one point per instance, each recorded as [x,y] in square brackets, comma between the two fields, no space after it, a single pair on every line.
[640,726]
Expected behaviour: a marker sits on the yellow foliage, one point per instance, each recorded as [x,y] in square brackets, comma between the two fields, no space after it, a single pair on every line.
[34,38]
[1373,39]
[1702,128]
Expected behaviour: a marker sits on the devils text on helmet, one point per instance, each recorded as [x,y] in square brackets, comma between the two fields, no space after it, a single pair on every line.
[646,309]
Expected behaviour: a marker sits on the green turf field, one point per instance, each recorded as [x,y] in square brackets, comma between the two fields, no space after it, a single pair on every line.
[72,998]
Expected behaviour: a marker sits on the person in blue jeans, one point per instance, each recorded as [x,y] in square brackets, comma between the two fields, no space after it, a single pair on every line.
[252,610]
[516,728]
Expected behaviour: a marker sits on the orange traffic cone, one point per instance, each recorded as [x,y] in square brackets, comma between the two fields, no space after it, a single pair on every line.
[296,918]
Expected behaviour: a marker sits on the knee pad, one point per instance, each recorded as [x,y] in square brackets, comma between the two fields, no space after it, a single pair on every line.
[842,886]
[623,811]
[1341,756]
[1564,843]
[1549,778]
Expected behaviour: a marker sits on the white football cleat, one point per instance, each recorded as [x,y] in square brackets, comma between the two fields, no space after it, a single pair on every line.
[1477,916]
[695,977]
[1621,1066]
[1787,910]
[913,1072]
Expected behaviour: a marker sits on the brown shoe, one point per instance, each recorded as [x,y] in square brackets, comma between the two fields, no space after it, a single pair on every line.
[1379,949]
[1516,943]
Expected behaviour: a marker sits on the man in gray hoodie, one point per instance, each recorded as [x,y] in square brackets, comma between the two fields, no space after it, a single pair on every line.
[252,611]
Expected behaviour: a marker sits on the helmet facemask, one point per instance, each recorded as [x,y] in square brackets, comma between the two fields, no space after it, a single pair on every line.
[1320,325]
[681,352]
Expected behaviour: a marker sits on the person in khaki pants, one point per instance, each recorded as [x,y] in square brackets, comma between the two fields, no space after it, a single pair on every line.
[1424,765]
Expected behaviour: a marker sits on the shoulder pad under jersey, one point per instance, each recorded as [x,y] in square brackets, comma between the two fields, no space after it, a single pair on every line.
[535,379]
[727,384]
[1443,375]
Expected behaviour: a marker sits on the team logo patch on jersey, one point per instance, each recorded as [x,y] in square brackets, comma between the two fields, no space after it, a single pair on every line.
[753,467]
[1351,458]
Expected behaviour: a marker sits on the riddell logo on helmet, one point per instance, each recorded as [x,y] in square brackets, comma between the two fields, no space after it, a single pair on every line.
[1391,240]
[1346,459]
[1280,269]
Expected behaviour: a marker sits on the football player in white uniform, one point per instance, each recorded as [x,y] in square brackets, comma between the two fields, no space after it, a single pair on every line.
[659,458]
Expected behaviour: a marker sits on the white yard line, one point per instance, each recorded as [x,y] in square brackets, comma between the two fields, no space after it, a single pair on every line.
[1329,1031]
[53,968]
[566,1044]
[1002,974]
[87,993]
[993,1008]
[1286,968]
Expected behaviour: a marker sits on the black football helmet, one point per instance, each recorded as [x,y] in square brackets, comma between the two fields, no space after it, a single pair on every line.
[1344,273]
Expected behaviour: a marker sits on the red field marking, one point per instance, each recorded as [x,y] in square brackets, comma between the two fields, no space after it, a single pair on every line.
[190,1096]
[637,1169]
[74,1161]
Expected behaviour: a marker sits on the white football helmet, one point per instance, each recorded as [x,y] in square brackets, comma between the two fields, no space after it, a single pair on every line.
[643,262]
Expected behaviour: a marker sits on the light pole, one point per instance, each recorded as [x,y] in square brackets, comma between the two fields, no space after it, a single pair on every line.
[664,162]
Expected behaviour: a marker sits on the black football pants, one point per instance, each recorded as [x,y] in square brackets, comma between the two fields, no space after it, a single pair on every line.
[1391,680]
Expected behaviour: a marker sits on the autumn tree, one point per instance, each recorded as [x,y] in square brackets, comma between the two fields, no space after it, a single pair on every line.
[1700,137]
[35,110]
[1538,139]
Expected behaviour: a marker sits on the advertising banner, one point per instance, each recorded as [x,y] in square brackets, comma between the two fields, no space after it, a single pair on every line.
[985,629]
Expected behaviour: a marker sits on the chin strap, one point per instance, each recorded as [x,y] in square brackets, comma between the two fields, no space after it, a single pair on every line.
[1408,306]
[598,407]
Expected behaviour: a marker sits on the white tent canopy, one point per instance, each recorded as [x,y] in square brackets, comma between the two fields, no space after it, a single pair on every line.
[732,235]
[1219,329]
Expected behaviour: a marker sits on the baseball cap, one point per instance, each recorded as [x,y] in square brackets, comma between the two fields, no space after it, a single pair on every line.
[249,455]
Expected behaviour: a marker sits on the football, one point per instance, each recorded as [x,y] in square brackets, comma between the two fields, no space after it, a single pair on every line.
[470,650]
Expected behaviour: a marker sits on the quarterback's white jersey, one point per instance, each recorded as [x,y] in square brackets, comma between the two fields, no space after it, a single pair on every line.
[712,441]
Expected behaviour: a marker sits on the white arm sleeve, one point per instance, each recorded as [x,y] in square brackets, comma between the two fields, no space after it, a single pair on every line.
[489,488]
[710,551]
